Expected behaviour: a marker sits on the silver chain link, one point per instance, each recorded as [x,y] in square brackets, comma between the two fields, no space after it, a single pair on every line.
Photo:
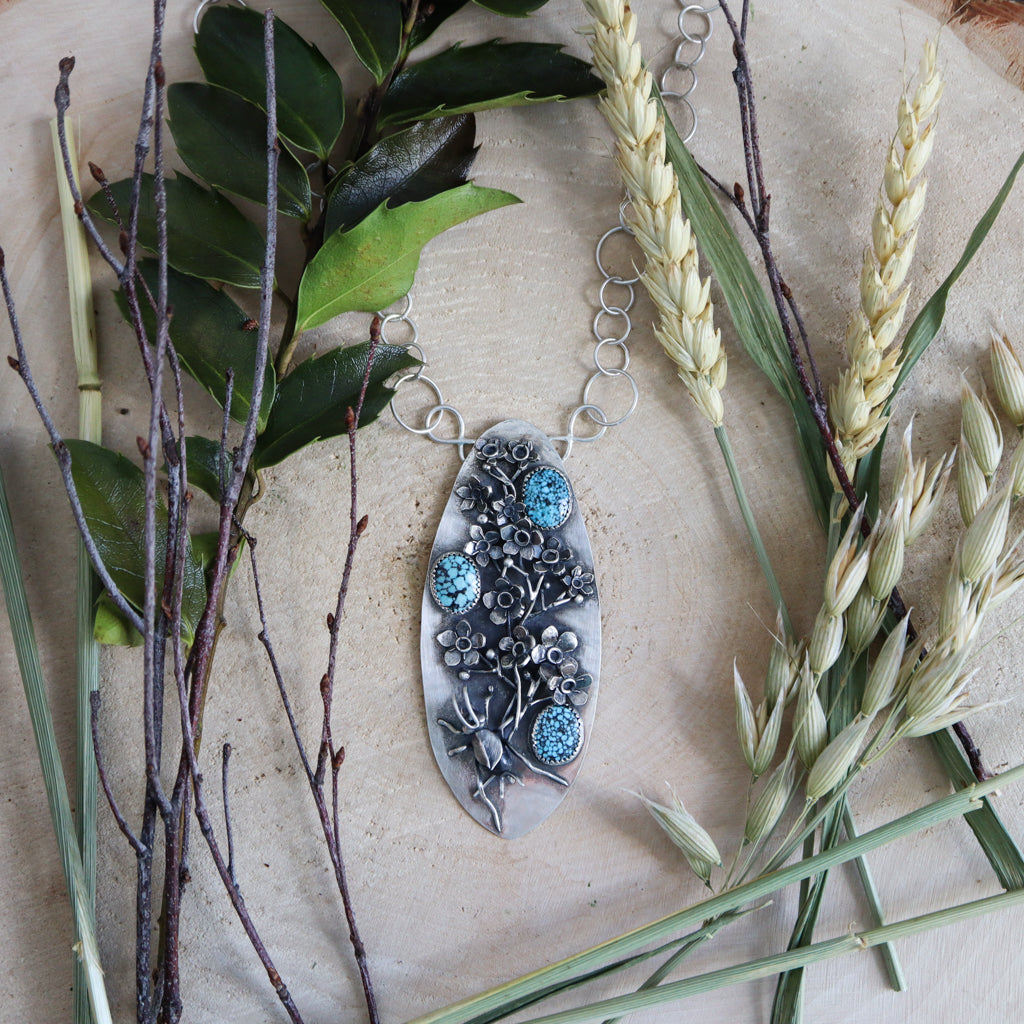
[679,79]
[432,423]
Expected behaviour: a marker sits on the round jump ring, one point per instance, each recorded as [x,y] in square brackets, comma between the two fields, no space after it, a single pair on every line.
[614,311]
[596,413]
[611,371]
[576,414]
[421,355]
[203,4]
[678,94]
[700,12]
[393,318]
[423,379]
[436,416]
[689,106]
[679,58]
[601,266]
[398,316]
[625,308]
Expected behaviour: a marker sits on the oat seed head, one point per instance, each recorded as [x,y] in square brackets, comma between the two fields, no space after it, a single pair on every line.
[826,641]
[980,428]
[746,725]
[881,684]
[809,724]
[888,544]
[983,541]
[1008,378]
[766,810]
[971,486]
[863,620]
[682,828]
[836,759]
[848,568]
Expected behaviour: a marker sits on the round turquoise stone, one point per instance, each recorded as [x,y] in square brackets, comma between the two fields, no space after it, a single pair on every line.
[547,497]
[455,582]
[557,734]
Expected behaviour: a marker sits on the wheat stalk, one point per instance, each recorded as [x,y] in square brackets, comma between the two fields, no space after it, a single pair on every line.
[859,400]
[686,326]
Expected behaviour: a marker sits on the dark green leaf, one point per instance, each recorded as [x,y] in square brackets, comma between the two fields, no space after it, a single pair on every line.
[112,491]
[753,316]
[407,167]
[206,469]
[314,399]
[436,14]
[111,628]
[310,103]
[929,320]
[223,140]
[374,28]
[210,334]
[493,74]
[373,265]
[511,8]
[206,235]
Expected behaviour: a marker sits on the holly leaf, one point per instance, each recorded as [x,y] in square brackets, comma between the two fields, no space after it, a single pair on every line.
[313,400]
[207,236]
[112,491]
[494,74]
[310,101]
[436,14]
[408,166]
[223,140]
[111,628]
[206,469]
[374,28]
[210,334]
[374,264]
[511,8]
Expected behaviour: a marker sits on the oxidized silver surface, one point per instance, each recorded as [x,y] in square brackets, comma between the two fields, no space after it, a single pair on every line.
[511,632]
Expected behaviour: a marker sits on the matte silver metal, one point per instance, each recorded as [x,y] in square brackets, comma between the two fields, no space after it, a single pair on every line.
[492,672]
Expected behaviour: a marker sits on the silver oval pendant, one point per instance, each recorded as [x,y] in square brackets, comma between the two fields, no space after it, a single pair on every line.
[511,632]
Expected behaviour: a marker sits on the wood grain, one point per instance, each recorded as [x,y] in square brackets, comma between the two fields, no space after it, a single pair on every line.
[504,306]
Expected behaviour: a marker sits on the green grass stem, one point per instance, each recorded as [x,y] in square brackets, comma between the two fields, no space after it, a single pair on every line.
[49,758]
[779,962]
[83,336]
[954,805]
[722,437]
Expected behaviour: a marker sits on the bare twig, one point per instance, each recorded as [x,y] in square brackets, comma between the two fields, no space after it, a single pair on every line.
[23,369]
[119,818]
[758,222]
[225,759]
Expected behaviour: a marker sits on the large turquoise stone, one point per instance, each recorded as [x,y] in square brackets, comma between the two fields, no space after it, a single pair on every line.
[547,497]
[455,582]
[557,734]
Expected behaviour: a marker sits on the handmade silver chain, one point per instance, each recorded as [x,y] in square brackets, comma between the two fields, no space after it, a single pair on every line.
[611,325]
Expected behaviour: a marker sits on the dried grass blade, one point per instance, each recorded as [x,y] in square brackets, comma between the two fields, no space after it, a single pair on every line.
[753,316]
[929,320]
[83,334]
[49,758]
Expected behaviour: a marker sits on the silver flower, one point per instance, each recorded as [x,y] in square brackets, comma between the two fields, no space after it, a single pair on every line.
[463,645]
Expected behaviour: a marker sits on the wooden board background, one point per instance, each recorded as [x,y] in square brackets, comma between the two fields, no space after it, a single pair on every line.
[504,305]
